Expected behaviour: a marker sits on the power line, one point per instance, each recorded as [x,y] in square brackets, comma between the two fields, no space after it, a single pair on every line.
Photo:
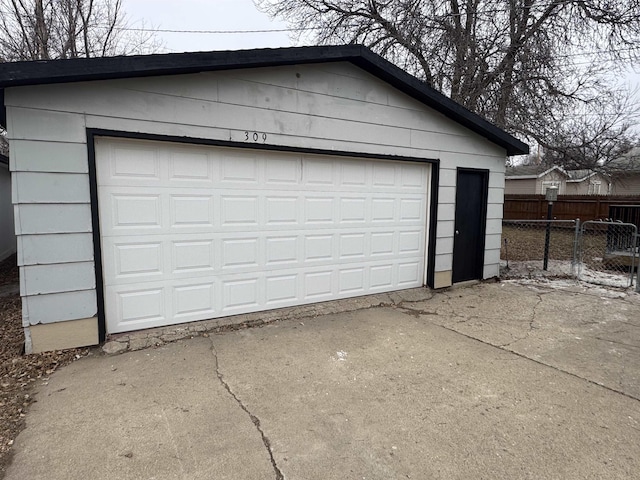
[216,32]
[300,29]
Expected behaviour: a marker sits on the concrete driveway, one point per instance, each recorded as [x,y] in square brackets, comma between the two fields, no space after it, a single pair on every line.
[493,381]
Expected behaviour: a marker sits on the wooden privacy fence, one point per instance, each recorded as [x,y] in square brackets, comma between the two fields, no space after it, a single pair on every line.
[567,207]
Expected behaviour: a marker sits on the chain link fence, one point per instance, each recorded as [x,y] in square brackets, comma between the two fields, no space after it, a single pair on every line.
[608,253]
[600,252]
[524,243]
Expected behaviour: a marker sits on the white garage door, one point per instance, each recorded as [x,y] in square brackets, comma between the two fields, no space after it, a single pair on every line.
[191,232]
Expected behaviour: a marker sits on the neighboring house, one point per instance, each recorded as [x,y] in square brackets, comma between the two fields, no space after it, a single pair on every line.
[7,229]
[625,172]
[587,182]
[163,189]
[535,179]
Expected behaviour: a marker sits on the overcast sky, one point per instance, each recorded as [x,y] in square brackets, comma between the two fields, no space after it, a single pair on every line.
[207,15]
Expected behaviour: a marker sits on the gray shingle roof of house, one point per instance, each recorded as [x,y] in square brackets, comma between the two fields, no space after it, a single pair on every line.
[4,160]
[579,175]
[530,171]
[87,69]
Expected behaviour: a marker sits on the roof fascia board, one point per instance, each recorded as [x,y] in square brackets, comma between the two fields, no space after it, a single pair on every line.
[108,68]
[555,167]
[520,177]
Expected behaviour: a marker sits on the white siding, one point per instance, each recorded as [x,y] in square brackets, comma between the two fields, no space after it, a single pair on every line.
[34,219]
[57,278]
[627,185]
[57,248]
[329,107]
[27,156]
[524,186]
[58,307]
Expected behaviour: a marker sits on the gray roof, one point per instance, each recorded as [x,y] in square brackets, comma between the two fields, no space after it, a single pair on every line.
[531,171]
[580,175]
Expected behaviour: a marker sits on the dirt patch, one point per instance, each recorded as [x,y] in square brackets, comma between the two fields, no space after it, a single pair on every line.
[526,242]
[19,373]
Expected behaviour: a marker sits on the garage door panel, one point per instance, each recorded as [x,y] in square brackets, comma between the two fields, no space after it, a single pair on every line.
[191,168]
[409,273]
[282,210]
[128,260]
[411,209]
[318,172]
[239,167]
[204,232]
[283,172]
[318,285]
[213,296]
[191,211]
[384,175]
[195,300]
[240,252]
[353,174]
[353,210]
[136,307]
[352,280]
[192,256]
[240,294]
[282,250]
[352,246]
[281,289]
[412,176]
[136,211]
[381,277]
[131,163]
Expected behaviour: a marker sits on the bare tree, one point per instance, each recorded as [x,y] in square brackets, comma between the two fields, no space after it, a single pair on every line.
[56,29]
[541,69]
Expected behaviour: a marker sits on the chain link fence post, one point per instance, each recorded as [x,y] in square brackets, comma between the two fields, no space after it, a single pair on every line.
[637,262]
[576,251]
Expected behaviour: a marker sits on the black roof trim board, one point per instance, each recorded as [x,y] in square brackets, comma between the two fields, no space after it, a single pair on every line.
[86,69]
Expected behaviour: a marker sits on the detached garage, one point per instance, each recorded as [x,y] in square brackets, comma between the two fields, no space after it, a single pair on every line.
[157,190]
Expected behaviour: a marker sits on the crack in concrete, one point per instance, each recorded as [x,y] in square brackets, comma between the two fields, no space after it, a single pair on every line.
[532,320]
[548,365]
[628,298]
[615,342]
[407,310]
[255,420]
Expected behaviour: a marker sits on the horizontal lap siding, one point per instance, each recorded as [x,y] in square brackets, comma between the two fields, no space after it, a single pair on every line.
[330,107]
[52,215]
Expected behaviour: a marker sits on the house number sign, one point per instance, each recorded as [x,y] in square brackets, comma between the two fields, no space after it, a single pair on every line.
[254,136]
